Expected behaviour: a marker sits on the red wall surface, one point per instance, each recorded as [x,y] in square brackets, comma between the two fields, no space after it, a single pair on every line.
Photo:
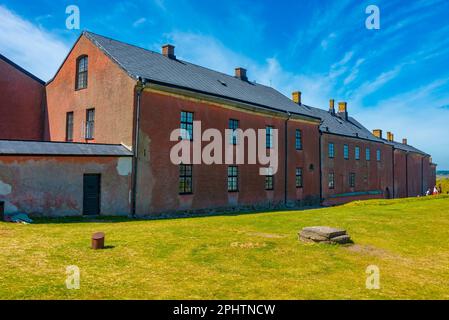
[53,185]
[110,92]
[21,104]
[158,180]
[372,177]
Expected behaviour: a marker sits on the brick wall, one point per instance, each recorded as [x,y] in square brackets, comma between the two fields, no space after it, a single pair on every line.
[21,104]
[159,179]
[110,92]
[372,178]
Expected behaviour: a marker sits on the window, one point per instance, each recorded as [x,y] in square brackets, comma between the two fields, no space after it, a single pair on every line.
[378,155]
[352,180]
[298,140]
[331,150]
[233,178]
[346,151]
[357,153]
[269,137]
[81,73]
[186,125]
[368,154]
[331,179]
[185,179]
[90,124]
[298,177]
[269,183]
[69,126]
[233,125]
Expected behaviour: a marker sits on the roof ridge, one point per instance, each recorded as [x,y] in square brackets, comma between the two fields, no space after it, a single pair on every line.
[86,32]
[16,66]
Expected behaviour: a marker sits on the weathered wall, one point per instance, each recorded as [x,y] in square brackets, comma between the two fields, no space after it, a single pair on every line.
[21,104]
[372,177]
[53,186]
[158,178]
[110,91]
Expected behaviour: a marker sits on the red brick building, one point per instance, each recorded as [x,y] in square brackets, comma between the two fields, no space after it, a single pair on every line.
[109,92]
[22,102]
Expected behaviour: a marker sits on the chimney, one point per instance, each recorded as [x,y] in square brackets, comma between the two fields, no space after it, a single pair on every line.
[404,141]
[343,110]
[240,73]
[169,51]
[296,97]
[332,106]
[390,136]
[377,133]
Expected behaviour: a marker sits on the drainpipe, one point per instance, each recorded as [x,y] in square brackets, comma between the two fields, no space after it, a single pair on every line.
[286,158]
[136,147]
[406,174]
[320,151]
[422,175]
[392,162]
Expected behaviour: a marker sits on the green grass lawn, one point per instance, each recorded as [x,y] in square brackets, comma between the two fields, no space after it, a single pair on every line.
[250,256]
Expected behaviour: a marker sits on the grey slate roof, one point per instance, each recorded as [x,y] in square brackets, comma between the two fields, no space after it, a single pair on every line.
[10,147]
[352,128]
[139,62]
[405,147]
[338,125]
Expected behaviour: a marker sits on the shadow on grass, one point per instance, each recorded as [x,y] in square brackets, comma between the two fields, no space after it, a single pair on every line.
[123,219]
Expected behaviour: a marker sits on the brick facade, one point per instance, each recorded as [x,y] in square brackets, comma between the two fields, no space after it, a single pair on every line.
[113,93]
[373,178]
[22,98]
[109,91]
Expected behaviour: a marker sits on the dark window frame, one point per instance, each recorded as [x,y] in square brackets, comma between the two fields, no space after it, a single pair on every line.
[234,125]
[69,126]
[233,179]
[90,124]
[187,118]
[298,139]
[331,180]
[378,155]
[346,152]
[352,180]
[269,137]
[368,154]
[269,180]
[357,153]
[185,179]
[82,72]
[331,150]
[299,178]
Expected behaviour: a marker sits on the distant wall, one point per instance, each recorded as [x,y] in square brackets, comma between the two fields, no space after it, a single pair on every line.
[53,186]
[373,179]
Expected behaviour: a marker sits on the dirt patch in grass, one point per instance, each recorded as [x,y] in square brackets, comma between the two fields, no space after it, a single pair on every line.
[373,251]
[267,235]
[248,245]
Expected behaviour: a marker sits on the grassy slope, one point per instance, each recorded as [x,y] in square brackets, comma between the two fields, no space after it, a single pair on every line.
[444,182]
[236,257]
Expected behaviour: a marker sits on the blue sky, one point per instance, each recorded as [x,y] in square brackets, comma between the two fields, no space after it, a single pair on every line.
[395,78]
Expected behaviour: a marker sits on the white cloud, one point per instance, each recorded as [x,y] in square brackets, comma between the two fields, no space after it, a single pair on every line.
[139,22]
[30,46]
[211,53]
[415,115]
[403,114]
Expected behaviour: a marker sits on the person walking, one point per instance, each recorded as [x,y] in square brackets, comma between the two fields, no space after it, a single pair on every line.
[435,191]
